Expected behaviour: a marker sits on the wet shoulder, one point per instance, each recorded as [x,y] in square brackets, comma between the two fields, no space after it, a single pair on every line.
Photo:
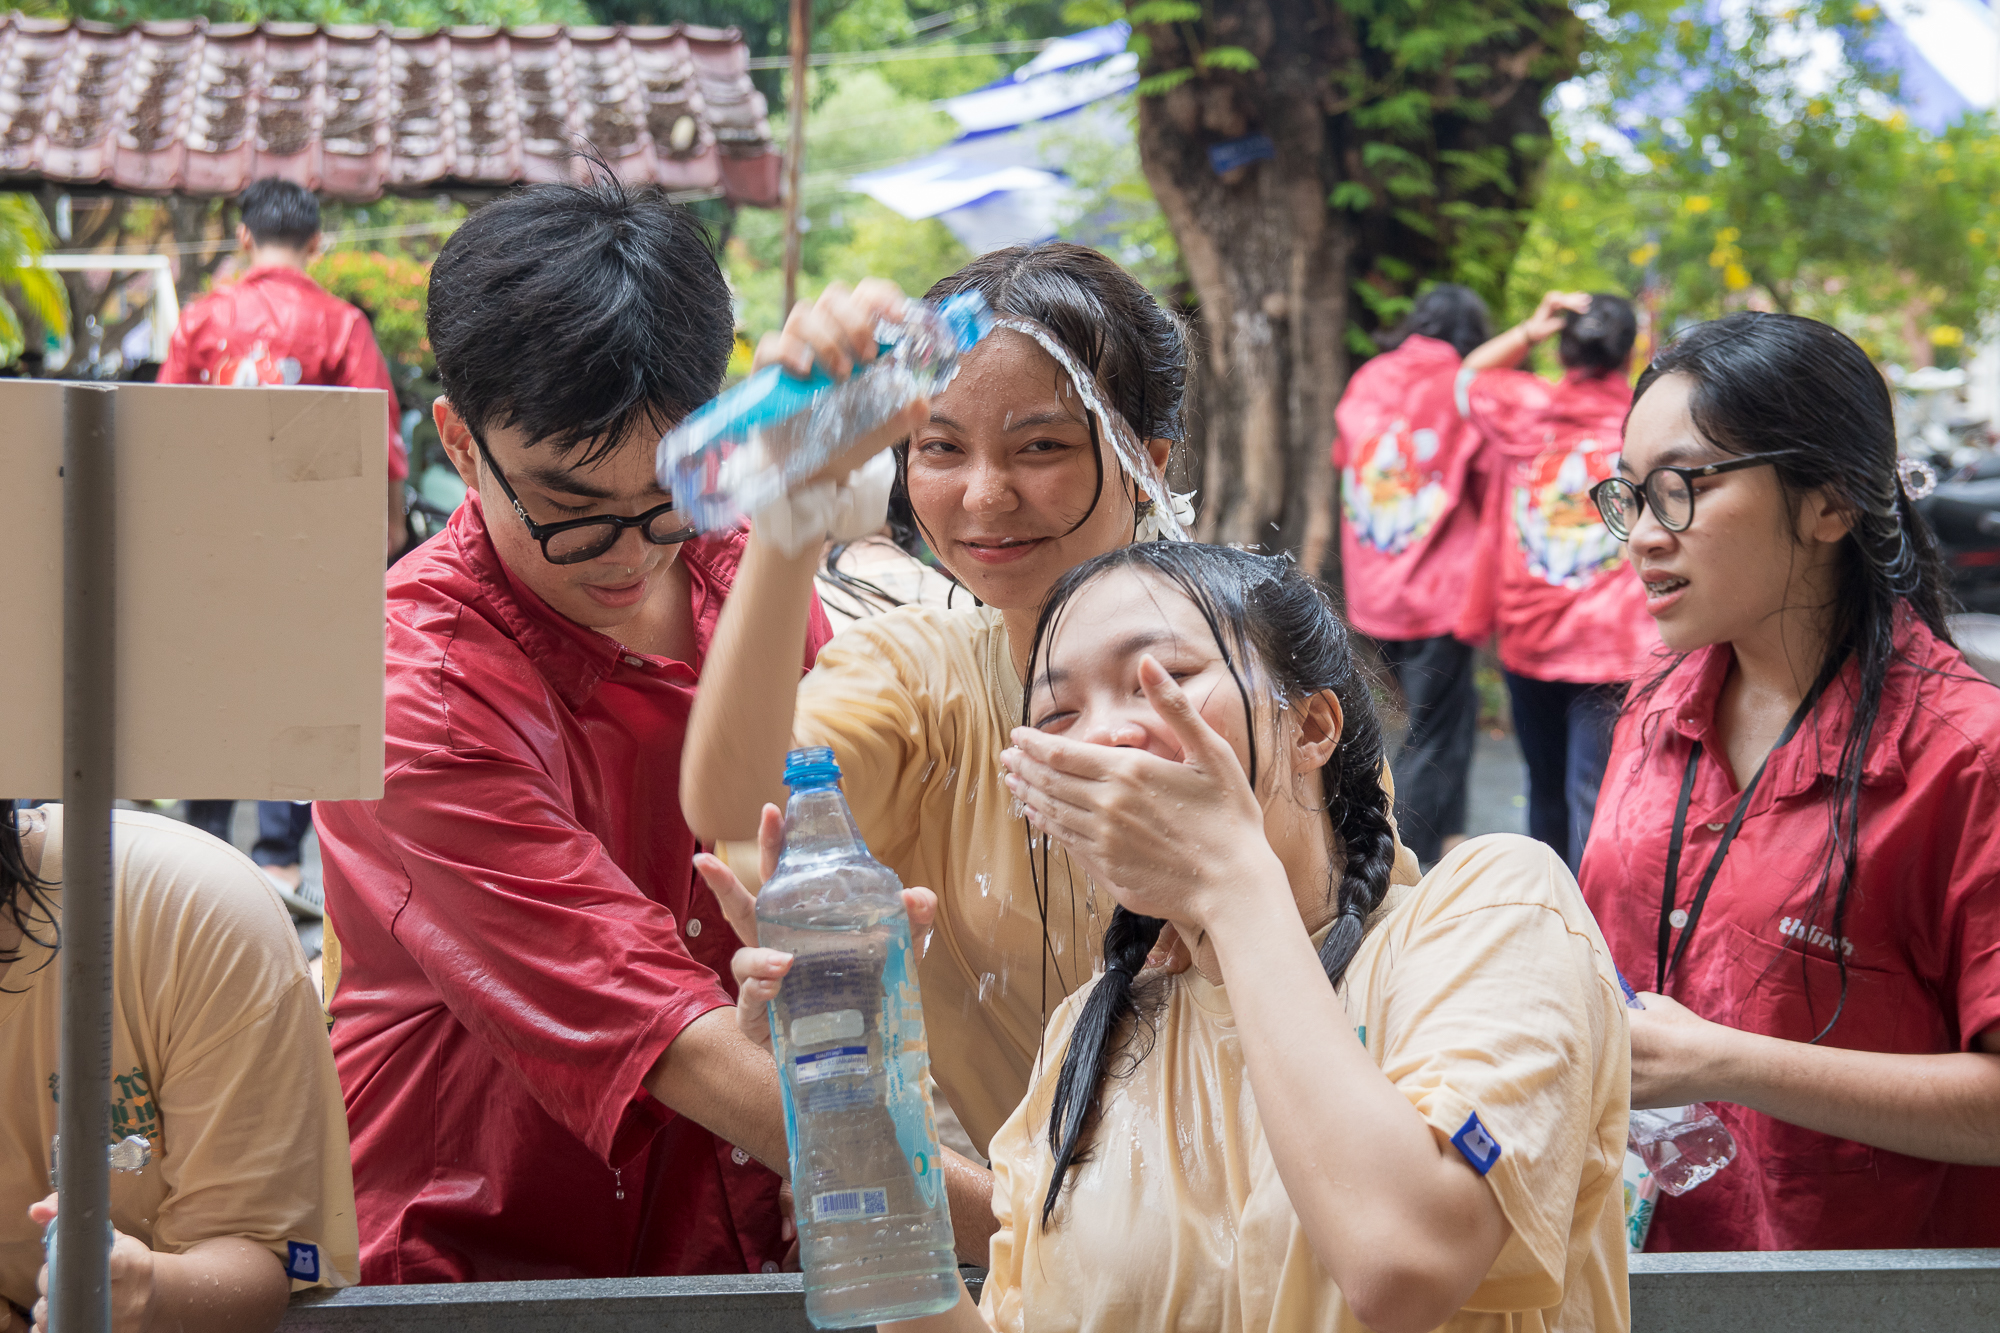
[924,647]
[1498,870]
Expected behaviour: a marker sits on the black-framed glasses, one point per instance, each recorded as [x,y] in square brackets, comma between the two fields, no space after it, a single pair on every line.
[579,539]
[1667,491]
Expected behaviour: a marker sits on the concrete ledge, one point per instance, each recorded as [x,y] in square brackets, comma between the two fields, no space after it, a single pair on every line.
[1826,1291]
[1832,1291]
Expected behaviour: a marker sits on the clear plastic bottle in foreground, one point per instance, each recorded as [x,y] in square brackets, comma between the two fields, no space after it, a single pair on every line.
[766,436]
[1681,1146]
[848,1032]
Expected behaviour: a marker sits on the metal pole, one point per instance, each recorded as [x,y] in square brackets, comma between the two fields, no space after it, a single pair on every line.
[795,160]
[80,1286]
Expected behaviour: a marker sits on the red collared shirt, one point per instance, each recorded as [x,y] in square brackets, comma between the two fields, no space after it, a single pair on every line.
[522,936]
[278,326]
[1410,482]
[1921,938]
[1551,579]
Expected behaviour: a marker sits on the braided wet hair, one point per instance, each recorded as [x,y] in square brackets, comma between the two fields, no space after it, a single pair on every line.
[1279,633]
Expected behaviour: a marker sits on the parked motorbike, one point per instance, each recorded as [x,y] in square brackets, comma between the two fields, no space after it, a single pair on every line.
[1964,513]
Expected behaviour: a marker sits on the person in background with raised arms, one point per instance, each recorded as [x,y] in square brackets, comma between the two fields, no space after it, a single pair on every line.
[1412,476]
[1551,578]
[1013,482]
[1799,834]
[1449,1156]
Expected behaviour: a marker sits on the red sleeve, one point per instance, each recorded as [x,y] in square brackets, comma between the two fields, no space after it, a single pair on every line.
[1507,408]
[1973,905]
[362,366]
[555,961]
[179,368]
[1480,606]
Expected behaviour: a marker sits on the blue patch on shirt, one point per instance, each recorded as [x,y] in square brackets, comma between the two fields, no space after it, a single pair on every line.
[1478,1147]
[304,1262]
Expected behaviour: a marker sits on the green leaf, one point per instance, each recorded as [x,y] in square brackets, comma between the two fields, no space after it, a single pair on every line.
[1163,83]
[1163,11]
[1230,58]
[1353,196]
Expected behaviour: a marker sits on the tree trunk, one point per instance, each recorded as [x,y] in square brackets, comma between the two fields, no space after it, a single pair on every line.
[1351,199]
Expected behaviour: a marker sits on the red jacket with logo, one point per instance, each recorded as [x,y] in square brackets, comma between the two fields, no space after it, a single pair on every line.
[1411,476]
[278,326]
[522,936]
[1551,579]
[1920,938]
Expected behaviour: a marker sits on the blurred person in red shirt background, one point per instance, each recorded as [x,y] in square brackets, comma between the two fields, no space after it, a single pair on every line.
[277,326]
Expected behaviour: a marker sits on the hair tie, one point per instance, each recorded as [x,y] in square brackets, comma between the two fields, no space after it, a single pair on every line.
[1917,478]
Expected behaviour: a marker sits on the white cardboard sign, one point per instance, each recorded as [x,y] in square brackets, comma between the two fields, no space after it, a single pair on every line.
[249,529]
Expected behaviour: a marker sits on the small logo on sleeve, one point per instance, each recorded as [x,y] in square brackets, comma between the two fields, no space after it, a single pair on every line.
[1478,1147]
[304,1262]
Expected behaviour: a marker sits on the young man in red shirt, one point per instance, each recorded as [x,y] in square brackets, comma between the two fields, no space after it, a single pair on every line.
[532,1018]
[275,325]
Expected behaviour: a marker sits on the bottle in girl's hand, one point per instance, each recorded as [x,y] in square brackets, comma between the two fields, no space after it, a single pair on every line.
[773,432]
[848,1032]
[1681,1146]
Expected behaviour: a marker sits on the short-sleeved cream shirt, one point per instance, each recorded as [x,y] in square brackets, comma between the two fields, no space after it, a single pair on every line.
[219,1058]
[1485,990]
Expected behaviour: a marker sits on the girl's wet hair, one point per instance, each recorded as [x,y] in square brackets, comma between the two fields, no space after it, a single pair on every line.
[1767,382]
[1448,312]
[1600,338]
[1109,322]
[1281,638]
[22,893]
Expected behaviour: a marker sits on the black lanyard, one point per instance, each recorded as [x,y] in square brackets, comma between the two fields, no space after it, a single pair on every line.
[1665,962]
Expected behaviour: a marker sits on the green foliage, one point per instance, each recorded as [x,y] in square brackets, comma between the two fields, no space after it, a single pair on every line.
[1113,208]
[858,121]
[1773,189]
[393,289]
[24,234]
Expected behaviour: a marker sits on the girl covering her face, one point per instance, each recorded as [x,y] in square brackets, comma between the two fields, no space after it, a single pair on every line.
[1398,1107]
[1799,834]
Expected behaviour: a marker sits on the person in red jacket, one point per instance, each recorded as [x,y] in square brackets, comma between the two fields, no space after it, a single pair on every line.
[1411,476]
[1551,579]
[532,1017]
[1798,839]
[277,326]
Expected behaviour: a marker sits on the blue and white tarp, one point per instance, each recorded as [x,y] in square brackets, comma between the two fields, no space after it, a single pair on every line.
[1001,181]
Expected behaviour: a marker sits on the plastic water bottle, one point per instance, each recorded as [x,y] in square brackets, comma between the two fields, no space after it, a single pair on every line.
[848,1032]
[1680,1146]
[763,438]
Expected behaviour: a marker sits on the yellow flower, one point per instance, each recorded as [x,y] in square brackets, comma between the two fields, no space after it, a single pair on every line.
[1866,13]
[1947,335]
[1735,277]
[1977,236]
[1817,107]
[1729,236]
[1697,203]
[1647,253]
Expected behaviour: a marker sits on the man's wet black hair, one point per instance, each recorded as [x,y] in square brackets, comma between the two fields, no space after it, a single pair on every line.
[278,212]
[1598,339]
[577,312]
[1448,312]
[1280,636]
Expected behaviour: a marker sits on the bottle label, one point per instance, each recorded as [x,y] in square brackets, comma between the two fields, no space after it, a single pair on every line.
[819,1029]
[848,1205]
[840,1062]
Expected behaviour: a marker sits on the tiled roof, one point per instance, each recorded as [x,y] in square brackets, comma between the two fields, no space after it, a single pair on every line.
[199,108]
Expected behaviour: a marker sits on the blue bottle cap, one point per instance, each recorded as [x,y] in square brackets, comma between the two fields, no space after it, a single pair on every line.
[813,766]
[969,318]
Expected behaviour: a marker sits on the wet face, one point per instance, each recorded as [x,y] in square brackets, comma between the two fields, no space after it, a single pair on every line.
[608,593]
[1086,687]
[1748,555]
[1004,474]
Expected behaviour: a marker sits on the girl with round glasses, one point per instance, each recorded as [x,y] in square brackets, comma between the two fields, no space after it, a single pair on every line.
[1798,845]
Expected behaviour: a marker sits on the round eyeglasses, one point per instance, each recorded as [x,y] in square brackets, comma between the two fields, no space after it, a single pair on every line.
[580,539]
[1667,491]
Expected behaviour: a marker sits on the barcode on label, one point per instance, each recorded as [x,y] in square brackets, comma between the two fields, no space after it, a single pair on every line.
[846,1205]
[840,1062]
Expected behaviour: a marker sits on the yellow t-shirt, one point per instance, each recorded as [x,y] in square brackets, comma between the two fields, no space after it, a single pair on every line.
[219,1057]
[1487,989]
[917,705]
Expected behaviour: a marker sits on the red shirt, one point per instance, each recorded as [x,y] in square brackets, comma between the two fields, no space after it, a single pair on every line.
[1921,936]
[522,936]
[278,326]
[1552,580]
[1410,482]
